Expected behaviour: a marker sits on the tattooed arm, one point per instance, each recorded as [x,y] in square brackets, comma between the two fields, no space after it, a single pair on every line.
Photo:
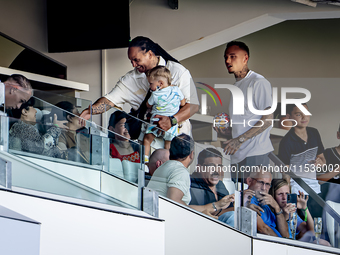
[100,106]
[231,146]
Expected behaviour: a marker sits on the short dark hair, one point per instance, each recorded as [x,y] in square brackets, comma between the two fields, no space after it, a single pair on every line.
[66,106]
[208,153]
[181,147]
[16,113]
[241,45]
[114,119]
[290,108]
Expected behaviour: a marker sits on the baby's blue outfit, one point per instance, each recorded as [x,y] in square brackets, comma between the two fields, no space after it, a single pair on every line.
[165,102]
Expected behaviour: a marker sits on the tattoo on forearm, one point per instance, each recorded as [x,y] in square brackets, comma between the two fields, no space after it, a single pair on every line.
[102,105]
[258,128]
[100,108]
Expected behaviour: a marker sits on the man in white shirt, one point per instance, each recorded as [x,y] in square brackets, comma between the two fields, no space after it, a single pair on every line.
[132,88]
[249,145]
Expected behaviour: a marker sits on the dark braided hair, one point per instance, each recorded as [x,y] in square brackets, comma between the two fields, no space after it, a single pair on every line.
[146,44]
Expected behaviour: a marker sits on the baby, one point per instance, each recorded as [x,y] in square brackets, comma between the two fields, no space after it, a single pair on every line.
[165,100]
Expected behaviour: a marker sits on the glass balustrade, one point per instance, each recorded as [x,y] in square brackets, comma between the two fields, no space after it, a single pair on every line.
[86,158]
[51,136]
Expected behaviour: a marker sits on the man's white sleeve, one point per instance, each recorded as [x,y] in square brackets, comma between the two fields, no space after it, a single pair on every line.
[118,95]
[187,86]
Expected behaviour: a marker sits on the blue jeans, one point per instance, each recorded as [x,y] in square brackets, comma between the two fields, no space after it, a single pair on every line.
[228,218]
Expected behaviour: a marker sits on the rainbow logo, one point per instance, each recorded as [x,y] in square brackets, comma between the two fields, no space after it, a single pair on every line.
[209,93]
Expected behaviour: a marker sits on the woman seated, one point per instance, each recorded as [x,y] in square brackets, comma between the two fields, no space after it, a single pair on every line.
[74,141]
[305,225]
[120,145]
[24,134]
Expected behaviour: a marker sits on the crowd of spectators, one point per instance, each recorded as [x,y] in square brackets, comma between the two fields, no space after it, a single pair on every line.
[161,82]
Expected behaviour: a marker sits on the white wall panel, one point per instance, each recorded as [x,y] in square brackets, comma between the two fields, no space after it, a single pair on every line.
[70,229]
[19,237]
[270,248]
[189,233]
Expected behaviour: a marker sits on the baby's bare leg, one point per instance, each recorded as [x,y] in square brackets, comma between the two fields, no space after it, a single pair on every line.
[148,138]
[167,145]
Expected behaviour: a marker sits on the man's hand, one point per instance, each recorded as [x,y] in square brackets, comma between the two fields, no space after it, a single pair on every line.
[209,213]
[231,146]
[225,202]
[86,114]
[100,106]
[267,199]
[223,133]
[256,208]
[164,122]
[184,113]
[247,196]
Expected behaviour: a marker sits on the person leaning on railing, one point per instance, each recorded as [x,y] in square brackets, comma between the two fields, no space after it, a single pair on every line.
[133,87]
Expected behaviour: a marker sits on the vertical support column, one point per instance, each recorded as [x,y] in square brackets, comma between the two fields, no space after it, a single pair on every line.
[5,174]
[204,104]
[336,234]
[104,82]
[4,128]
[245,218]
[151,202]
[247,221]
[141,178]
[236,206]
